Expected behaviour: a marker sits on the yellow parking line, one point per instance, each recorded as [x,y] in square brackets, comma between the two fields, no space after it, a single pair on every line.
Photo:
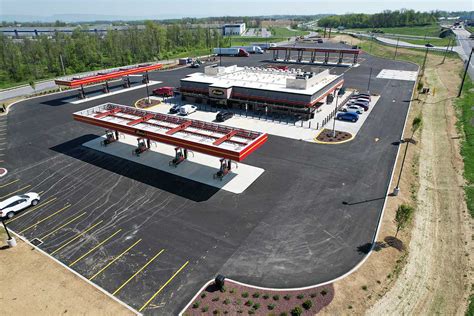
[90,251]
[76,237]
[31,210]
[11,193]
[162,287]
[56,229]
[136,273]
[44,219]
[7,184]
[115,259]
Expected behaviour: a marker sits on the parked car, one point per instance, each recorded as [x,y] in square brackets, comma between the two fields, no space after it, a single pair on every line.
[187,109]
[364,105]
[164,91]
[361,94]
[347,116]
[361,97]
[175,108]
[353,109]
[13,205]
[224,116]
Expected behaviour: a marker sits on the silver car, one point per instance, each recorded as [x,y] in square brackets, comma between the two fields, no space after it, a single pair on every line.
[353,109]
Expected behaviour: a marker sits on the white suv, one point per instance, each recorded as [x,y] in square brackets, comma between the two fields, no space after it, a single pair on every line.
[11,206]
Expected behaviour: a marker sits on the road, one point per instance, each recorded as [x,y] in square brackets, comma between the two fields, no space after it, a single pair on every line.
[466,45]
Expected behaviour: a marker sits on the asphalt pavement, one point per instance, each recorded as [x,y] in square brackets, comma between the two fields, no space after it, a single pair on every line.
[307,219]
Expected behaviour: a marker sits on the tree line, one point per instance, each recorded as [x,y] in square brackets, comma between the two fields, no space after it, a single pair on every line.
[22,60]
[384,19]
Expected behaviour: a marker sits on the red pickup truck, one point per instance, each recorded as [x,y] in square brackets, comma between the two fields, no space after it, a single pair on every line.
[164,91]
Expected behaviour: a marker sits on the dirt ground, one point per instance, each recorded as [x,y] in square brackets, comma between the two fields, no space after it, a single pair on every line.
[32,284]
[434,274]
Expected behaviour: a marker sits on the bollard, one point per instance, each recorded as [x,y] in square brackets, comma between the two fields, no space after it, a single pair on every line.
[310,124]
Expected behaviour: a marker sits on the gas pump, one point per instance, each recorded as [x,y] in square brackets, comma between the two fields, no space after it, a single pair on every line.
[226,168]
[142,146]
[181,154]
[109,138]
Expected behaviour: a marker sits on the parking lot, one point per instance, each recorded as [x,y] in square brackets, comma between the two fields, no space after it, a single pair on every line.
[153,238]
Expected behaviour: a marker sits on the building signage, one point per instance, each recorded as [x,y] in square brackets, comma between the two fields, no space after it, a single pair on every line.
[217,92]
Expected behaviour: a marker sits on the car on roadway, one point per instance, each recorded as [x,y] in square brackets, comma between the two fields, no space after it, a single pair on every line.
[164,91]
[347,116]
[187,109]
[353,109]
[15,204]
[175,108]
[224,116]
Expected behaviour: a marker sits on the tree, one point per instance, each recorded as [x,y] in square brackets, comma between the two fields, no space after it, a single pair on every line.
[403,216]
[32,85]
[416,124]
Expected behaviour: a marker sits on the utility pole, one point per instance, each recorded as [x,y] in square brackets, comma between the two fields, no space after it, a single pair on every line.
[424,61]
[62,64]
[465,72]
[368,85]
[370,47]
[447,49]
[396,48]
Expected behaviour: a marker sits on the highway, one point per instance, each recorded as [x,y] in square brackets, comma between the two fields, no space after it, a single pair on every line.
[466,46]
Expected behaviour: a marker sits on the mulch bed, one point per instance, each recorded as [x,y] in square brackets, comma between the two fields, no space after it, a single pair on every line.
[142,104]
[326,136]
[237,299]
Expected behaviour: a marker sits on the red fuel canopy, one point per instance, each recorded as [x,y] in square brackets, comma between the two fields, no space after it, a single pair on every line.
[204,137]
[106,75]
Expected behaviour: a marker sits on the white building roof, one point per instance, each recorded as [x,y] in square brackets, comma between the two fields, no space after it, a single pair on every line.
[261,78]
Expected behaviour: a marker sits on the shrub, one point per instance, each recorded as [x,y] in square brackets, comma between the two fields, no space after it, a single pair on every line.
[196,304]
[307,304]
[287,297]
[256,306]
[203,295]
[226,301]
[226,312]
[251,311]
[222,289]
[313,295]
[232,291]
[216,312]
[364,287]
[249,303]
[297,311]
[271,306]
[215,299]
[238,302]
[349,307]
[256,295]
[205,309]
[240,311]
[245,294]
[265,296]
[300,296]
[283,314]
[276,297]
[324,292]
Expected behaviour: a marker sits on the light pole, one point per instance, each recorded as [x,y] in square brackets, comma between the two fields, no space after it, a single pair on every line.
[465,72]
[146,84]
[447,49]
[10,241]
[335,111]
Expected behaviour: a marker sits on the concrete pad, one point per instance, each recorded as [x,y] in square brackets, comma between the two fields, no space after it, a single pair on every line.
[104,95]
[198,167]
[397,74]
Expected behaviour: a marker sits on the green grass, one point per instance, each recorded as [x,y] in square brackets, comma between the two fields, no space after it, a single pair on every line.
[436,42]
[470,28]
[244,41]
[466,128]
[470,308]
[284,32]
[428,30]
[192,53]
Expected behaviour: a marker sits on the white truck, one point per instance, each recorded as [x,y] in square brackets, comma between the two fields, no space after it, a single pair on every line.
[232,51]
[252,49]
[265,46]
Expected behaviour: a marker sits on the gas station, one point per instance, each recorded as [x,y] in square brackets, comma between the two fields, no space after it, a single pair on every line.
[105,77]
[177,139]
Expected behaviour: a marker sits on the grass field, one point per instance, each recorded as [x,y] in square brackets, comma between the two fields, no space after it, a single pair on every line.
[284,32]
[244,40]
[466,128]
[428,30]
[436,42]
[470,28]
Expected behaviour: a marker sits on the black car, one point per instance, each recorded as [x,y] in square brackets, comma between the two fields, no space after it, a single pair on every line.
[224,116]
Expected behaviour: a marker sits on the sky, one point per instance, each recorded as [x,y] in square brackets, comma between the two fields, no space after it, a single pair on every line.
[158,9]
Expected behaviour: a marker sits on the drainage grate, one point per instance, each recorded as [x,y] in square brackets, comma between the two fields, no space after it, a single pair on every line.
[36,242]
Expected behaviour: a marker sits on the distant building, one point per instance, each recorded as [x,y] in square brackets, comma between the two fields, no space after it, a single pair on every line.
[233,29]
